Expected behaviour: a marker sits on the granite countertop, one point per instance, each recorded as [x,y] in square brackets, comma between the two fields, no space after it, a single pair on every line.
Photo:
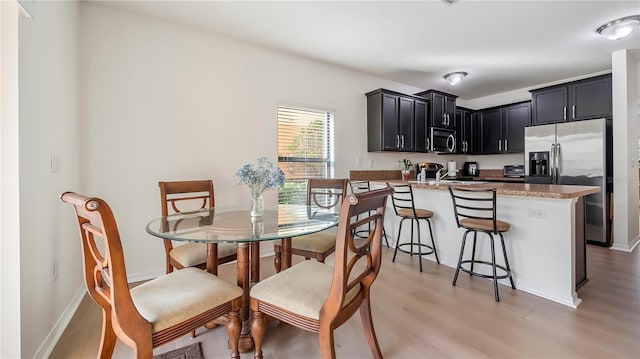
[510,189]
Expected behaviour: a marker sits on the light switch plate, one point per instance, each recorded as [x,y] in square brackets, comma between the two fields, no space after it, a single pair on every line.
[55,162]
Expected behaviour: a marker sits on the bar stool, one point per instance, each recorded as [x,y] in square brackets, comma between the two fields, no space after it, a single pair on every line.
[360,187]
[404,207]
[475,211]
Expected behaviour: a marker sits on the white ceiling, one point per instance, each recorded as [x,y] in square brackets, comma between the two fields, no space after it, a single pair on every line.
[503,45]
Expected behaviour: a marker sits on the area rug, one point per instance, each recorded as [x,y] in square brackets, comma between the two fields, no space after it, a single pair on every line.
[192,351]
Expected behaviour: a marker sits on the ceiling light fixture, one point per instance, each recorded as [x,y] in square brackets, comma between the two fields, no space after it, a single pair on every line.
[455,78]
[619,28]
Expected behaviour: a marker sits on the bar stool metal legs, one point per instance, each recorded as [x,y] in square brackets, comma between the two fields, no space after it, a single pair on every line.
[506,269]
[422,248]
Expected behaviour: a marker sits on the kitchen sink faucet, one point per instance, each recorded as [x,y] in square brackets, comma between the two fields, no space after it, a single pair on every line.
[439,176]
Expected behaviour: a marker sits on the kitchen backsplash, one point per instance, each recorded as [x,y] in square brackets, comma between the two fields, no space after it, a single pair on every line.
[390,161]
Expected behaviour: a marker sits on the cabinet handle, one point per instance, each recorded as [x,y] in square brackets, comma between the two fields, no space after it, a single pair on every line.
[499,145]
[397,141]
[402,146]
[505,146]
[573,110]
[564,112]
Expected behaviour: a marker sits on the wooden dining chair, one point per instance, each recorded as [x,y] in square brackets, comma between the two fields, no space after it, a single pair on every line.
[188,196]
[324,193]
[157,311]
[318,297]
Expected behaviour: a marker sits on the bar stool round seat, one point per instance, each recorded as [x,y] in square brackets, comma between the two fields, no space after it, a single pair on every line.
[475,211]
[404,206]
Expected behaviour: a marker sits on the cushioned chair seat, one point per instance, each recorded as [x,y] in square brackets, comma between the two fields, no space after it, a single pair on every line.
[181,295]
[422,213]
[301,289]
[484,224]
[192,254]
[316,242]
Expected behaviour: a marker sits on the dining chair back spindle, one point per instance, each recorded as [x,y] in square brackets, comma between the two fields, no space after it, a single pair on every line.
[152,313]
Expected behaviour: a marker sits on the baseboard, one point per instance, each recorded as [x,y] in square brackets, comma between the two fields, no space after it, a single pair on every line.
[45,349]
[626,247]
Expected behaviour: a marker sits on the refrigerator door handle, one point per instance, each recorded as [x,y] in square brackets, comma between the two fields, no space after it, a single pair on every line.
[557,158]
[552,166]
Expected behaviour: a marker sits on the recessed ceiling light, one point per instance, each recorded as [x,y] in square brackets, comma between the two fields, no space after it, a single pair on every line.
[617,29]
[454,78]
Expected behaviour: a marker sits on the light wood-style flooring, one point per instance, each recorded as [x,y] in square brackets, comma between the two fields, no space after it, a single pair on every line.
[421,315]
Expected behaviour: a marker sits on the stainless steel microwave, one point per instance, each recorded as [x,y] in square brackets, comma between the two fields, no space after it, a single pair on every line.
[442,140]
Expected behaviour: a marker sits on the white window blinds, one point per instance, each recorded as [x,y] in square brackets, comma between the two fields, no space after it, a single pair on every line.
[305,149]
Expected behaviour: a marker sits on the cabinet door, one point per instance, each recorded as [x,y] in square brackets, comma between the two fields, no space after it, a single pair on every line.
[460,144]
[516,118]
[421,121]
[550,105]
[590,98]
[473,146]
[405,124]
[491,129]
[450,111]
[464,131]
[437,110]
[389,122]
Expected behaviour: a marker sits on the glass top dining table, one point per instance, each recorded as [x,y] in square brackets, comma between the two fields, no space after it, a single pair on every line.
[218,225]
[235,225]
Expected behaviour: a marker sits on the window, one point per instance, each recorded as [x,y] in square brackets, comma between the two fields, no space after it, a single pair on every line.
[305,149]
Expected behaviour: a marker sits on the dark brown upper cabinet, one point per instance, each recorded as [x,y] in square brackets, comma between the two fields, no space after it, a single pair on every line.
[502,128]
[396,122]
[443,108]
[578,100]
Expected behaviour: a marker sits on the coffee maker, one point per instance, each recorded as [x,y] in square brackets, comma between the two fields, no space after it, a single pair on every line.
[470,169]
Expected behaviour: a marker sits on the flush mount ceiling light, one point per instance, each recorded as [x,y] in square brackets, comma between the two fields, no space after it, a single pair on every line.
[617,29]
[455,78]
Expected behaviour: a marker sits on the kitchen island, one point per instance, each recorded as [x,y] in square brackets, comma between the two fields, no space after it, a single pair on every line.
[545,244]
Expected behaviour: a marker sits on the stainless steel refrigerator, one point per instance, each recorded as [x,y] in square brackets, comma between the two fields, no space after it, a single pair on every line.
[575,153]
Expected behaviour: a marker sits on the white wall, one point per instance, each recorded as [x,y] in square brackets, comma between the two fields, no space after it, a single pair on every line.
[625,150]
[9,176]
[48,77]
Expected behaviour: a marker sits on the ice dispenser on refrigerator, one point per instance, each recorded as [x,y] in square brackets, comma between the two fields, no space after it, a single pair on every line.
[539,164]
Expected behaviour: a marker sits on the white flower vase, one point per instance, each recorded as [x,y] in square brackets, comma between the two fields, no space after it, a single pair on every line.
[257,204]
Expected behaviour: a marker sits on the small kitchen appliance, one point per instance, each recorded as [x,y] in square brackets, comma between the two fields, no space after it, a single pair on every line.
[470,169]
[516,171]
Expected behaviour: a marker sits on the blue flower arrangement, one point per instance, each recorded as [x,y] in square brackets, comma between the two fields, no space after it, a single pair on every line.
[261,177]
